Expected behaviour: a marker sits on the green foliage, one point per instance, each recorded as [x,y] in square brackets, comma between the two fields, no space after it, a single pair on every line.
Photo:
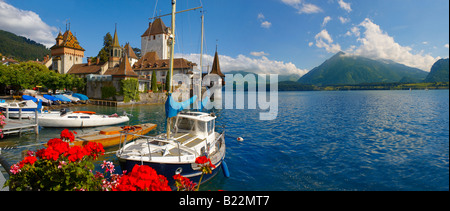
[21,48]
[29,75]
[108,92]
[439,72]
[47,175]
[129,88]
[344,69]
[104,52]
[154,82]
[168,80]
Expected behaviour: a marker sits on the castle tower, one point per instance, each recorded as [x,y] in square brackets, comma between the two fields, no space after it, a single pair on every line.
[66,52]
[115,51]
[155,39]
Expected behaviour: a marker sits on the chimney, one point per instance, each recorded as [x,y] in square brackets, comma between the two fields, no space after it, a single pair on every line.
[98,59]
[89,61]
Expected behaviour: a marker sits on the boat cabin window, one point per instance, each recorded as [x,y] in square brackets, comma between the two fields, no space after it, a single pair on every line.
[211,126]
[201,127]
[85,117]
[73,117]
[186,124]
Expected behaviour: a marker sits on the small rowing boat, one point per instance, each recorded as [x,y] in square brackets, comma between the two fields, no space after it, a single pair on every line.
[111,136]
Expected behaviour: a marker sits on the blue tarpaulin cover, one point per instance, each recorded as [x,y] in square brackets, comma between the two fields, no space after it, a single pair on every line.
[173,108]
[62,98]
[81,96]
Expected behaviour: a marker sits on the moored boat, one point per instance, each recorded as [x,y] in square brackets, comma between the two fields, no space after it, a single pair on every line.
[111,136]
[194,136]
[78,120]
[24,109]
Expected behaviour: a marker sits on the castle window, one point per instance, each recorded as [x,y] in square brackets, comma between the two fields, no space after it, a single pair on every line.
[154,37]
[115,53]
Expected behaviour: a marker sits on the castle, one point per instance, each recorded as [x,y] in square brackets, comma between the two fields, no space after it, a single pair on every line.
[67,55]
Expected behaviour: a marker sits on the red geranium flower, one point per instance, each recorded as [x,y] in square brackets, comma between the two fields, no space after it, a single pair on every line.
[142,178]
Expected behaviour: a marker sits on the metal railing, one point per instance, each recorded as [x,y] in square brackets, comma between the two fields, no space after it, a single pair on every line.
[149,139]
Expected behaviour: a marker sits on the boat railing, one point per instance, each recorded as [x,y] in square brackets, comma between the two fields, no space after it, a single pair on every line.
[149,139]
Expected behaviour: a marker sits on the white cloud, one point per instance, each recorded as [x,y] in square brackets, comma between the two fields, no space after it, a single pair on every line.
[309,9]
[377,44]
[266,24]
[261,53]
[324,40]
[242,62]
[345,6]
[261,16]
[446,45]
[26,23]
[303,7]
[344,20]
[325,21]
[310,44]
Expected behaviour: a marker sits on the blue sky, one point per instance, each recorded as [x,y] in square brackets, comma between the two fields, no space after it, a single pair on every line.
[270,36]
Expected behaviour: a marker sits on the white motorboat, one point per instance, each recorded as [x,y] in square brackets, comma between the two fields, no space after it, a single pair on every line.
[24,109]
[78,119]
[194,135]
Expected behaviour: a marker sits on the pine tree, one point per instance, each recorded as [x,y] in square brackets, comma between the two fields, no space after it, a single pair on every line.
[154,82]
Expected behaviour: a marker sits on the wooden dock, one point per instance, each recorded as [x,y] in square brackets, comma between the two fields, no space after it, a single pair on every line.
[18,126]
[103,102]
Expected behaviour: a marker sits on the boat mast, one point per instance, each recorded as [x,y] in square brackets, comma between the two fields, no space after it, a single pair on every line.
[201,45]
[172,48]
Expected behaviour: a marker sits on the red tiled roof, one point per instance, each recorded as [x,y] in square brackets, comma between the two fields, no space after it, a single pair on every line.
[69,41]
[86,69]
[129,51]
[151,61]
[157,27]
[124,69]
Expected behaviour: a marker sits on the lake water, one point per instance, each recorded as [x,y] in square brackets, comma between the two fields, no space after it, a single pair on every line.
[346,140]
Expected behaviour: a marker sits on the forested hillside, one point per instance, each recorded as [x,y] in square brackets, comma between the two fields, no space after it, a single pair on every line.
[21,48]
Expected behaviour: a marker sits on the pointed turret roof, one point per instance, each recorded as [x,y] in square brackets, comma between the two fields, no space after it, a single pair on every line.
[69,41]
[216,66]
[115,39]
[157,27]
[60,36]
[129,51]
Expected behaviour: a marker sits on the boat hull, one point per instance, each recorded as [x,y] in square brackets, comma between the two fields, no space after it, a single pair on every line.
[109,140]
[80,123]
[168,170]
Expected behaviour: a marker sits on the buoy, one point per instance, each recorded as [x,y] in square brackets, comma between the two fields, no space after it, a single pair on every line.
[240,139]
[226,173]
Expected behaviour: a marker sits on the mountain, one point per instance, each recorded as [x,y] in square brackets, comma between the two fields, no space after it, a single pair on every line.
[439,72]
[287,77]
[349,69]
[21,48]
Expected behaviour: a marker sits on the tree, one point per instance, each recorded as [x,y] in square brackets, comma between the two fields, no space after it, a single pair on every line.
[154,82]
[168,79]
[104,52]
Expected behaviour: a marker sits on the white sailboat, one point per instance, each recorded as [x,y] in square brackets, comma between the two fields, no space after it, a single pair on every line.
[78,119]
[175,151]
